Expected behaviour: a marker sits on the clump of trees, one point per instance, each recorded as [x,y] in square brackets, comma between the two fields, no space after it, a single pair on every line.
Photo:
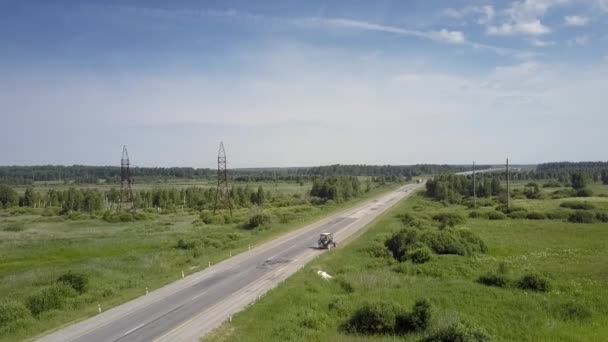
[337,189]
[453,188]
[386,318]
[405,244]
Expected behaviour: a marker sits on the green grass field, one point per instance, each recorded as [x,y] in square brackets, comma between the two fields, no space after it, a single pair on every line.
[122,259]
[573,257]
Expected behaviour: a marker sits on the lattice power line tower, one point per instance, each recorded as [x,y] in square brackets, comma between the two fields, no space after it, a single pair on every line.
[222,193]
[126,193]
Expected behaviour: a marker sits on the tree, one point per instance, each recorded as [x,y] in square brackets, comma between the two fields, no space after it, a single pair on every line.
[29,198]
[8,197]
[496,189]
[605,177]
[578,180]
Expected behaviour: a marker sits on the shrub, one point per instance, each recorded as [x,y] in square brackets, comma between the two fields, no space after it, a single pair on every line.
[518,215]
[558,214]
[257,220]
[603,217]
[11,311]
[492,279]
[183,244]
[496,215]
[420,255]
[585,192]
[377,251]
[458,332]
[449,219]
[578,205]
[460,242]
[78,281]
[572,311]
[506,210]
[553,183]
[534,282]
[341,306]
[563,193]
[582,216]
[536,216]
[416,321]
[473,242]
[374,318]
[478,214]
[52,297]
[14,227]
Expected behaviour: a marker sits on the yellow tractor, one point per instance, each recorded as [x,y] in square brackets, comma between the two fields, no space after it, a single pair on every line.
[326,241]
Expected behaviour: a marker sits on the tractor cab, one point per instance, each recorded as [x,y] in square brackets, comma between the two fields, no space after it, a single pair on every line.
[326,241]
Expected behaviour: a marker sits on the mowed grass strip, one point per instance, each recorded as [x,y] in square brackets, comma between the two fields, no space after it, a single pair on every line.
[572,257]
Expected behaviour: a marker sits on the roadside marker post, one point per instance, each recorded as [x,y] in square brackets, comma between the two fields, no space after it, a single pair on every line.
[146,290]
[182,274]
[99,308]
[209,264]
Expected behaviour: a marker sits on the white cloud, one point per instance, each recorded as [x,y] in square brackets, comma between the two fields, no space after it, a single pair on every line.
[541,43]
[524,18]
[484,14]
[534,27]
[579,41]
[452,37]
[575,20]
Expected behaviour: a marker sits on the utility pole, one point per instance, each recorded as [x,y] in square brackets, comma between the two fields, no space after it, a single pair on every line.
[474,188]
[126,193]
[222,193]
[508,187]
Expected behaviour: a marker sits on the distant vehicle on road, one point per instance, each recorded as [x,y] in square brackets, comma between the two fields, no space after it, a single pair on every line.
[326,241]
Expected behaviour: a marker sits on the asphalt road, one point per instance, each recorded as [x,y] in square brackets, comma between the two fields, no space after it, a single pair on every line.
[191,307]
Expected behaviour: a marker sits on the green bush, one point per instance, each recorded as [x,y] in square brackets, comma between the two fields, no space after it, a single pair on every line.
[78,281]
[496,215]
[558,214]
[553,183]
[563,193]
[374,318]
[11,311]
[258,220]
[413,221]
[582,216]
[420,255]
[534,282]
[601,216]
[518,215]
[449,219]
[460,242]
[183,244]
[14,226]
[573,311]
[577,205]
[416,321]
[49,298]
[478,214]
[377,251]
[536,216]
[458,332]
[506,210]
[585,192]
[492,279]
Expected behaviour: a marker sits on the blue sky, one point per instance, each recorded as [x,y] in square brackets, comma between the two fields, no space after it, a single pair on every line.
[293,83]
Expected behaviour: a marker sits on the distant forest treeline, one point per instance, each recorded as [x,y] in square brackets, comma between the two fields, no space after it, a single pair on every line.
[15,175]
[18,175]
